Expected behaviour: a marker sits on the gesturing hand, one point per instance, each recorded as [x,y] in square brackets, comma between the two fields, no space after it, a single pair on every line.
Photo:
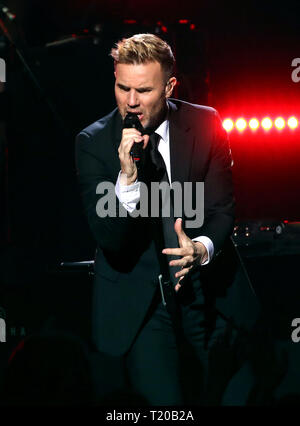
[193,253]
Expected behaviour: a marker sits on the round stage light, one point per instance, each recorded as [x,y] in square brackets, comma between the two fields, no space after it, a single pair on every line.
[292,123]
[253,124]
[279,123]
[241,124]
[228,124]
[267,123]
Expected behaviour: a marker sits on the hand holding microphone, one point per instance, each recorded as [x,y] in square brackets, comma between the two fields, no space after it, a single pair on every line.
[133,142]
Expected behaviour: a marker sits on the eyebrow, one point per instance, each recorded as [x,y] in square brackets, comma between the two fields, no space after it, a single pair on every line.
[122,86]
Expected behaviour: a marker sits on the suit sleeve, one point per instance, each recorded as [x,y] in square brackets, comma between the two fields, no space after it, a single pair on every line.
[111,233]
[219,203]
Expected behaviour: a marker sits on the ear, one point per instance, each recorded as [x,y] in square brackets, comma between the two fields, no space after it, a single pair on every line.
[170,86]
[115,69]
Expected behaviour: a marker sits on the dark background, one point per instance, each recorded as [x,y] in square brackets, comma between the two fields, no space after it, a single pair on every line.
[234,56]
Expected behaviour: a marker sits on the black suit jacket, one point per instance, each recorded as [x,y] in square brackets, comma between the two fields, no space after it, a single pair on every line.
[126,265]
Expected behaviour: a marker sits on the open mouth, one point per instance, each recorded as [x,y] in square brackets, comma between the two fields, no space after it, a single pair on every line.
[139,114]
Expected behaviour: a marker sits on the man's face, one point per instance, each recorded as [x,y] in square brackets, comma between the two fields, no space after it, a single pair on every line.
[143,89]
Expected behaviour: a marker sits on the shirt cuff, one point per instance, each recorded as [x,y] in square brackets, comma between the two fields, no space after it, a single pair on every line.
[209,245]
[128,195]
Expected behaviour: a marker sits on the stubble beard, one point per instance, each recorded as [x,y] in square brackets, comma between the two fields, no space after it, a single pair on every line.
[154,122]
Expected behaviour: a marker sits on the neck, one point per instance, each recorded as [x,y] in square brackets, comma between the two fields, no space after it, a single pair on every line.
[160,119]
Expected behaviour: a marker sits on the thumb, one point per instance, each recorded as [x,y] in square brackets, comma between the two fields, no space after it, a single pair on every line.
[145,141]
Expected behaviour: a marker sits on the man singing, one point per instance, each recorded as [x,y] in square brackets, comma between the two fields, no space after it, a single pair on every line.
[148,294]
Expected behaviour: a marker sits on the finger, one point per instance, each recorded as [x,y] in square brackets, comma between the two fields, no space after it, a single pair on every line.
[178,228]
[131,130]
[174,251]
[139,139]
[182,273]
[128,140]
[127,146]
[185,261]
[181,251]
[133,135]
[146,140]
[178,285]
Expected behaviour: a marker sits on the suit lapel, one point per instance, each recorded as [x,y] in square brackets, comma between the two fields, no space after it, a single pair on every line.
[117,128]
[181,143]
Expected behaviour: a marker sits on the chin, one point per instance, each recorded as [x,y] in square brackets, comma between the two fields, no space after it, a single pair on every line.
[145,123]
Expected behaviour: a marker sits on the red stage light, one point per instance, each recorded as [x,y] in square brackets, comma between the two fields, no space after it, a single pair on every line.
[228,124]
[183,21]
[266,123]
[129,21]
[192,26]
[292,122]
[241,124]
[279,123]
[254,124]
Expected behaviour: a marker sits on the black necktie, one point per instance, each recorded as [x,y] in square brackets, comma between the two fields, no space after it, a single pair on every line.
[159,174]
[157,160]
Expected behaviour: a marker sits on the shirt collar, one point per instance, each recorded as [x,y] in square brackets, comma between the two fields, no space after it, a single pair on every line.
[163,128]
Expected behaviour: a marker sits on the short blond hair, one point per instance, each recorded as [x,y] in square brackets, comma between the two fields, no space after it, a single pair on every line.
[143,48]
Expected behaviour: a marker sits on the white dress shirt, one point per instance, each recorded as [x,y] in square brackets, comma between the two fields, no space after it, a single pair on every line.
[129,195]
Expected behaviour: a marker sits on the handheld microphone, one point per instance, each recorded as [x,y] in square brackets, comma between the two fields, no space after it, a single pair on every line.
[132,121]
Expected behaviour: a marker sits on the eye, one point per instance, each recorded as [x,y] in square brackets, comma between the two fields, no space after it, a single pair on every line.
[123,88]
[143,90]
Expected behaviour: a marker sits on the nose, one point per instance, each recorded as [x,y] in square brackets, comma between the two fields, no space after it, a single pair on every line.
[132,100]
